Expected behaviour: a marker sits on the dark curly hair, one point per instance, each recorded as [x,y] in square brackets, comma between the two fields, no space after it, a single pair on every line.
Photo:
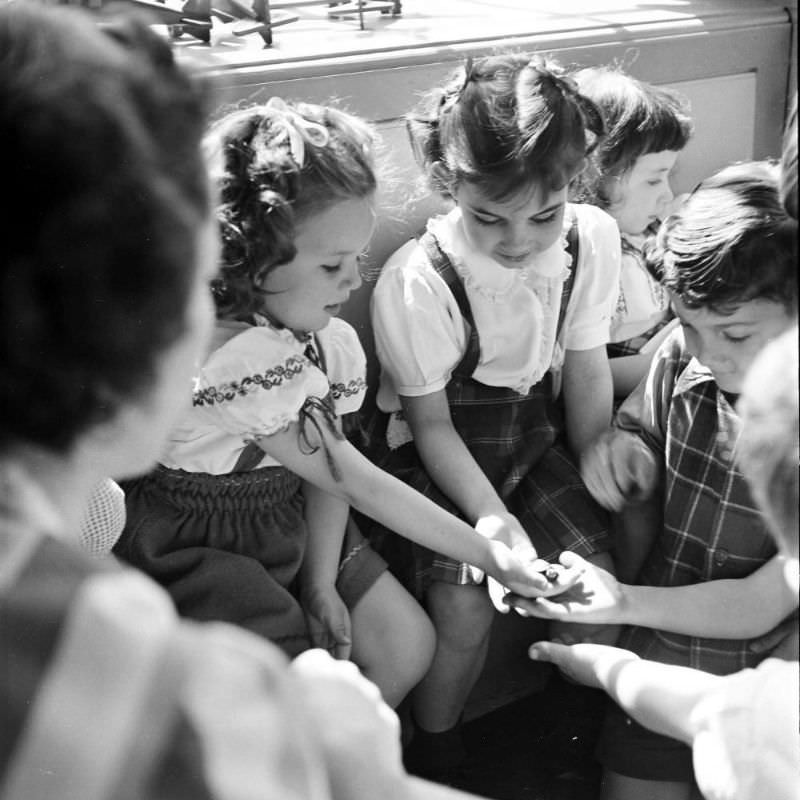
[266,190]
[100,142]
[504,123]
[731,241]
[640,119]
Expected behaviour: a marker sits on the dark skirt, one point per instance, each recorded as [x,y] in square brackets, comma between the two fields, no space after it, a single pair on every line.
[229,548]
[517,440]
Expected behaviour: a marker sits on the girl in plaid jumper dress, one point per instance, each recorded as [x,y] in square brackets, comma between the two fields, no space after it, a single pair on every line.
[247,518]
[491,333]
[628,176]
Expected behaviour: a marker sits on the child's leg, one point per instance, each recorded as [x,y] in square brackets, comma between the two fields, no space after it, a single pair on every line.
[462,617]
[621,787]
[393,639]
[572,633]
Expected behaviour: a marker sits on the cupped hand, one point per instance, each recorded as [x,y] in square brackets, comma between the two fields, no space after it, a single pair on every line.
[619,468]
[590,664]
[523,574]
[328,620]
[594,595]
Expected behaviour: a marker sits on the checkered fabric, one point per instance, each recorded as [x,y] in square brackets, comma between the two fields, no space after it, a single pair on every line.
[517,440]
[104,518]
[712,528]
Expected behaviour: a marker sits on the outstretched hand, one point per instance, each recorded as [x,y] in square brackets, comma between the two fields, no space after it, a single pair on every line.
[525,575]
[592,595]
[589,664]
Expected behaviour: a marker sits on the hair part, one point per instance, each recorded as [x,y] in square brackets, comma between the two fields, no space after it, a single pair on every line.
[504,123]
[731,242]
[265,194]
[639,118]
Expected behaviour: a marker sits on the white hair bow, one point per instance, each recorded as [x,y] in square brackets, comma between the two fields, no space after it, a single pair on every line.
[298,130]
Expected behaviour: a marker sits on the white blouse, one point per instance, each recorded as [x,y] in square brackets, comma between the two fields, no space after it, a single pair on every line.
[420,335]
[255,384]
[747,744]
[643,302]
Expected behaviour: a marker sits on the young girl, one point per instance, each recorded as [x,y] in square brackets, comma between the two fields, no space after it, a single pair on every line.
[491,332]
[247,517]
[628,176]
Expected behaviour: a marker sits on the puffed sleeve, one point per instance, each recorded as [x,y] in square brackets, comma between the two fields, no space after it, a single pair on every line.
[419,331]
[256,383]
[594,296]
[345,365]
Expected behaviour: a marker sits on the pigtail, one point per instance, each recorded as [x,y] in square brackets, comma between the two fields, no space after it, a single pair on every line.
[423,130]
[558,126]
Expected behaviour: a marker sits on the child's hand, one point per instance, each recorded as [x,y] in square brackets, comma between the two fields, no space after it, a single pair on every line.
[328,620]
[595,596]
[524,574]
[589,664]
[505,528]
[357,733]
[501,526]
[619,468]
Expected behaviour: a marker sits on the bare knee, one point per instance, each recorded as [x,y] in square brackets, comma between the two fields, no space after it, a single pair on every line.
[462,615]
[393,639]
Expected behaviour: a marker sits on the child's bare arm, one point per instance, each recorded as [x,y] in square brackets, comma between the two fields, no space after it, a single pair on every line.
[588,396]
[661,697]
[740,608]
[328,619]
[390,501]
[454,470]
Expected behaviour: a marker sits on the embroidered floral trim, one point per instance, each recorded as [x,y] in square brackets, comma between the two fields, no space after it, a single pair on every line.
[269,379]
[352,387]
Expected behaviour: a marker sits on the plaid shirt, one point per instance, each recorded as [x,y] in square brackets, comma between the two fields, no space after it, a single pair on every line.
[712,528]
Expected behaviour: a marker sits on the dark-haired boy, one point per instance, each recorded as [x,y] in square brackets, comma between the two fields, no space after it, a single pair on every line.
[728,261]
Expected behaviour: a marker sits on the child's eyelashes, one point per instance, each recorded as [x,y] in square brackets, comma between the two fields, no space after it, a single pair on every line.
[736,339]
[331,268]
[533,220]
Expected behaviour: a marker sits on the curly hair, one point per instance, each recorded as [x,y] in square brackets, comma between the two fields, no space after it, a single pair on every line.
[100,139]
[640,119]
[731,241]
[504,123]
[266,189]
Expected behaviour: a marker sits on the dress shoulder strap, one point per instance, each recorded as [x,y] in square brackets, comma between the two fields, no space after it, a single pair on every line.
[444,268]
[573,248]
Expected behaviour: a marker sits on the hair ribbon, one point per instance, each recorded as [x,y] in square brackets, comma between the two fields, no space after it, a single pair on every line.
[298,130]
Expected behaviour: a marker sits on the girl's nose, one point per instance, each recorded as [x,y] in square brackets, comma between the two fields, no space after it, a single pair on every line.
[665,200]
[353,275]
[516,237]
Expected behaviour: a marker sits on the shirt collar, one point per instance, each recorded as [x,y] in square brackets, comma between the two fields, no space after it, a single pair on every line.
[484,270]
[693,374]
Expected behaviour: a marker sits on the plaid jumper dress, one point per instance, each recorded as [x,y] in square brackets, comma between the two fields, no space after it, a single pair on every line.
[517,439]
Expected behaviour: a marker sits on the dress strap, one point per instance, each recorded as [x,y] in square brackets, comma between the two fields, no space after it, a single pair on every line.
[573,248]
[444,268]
